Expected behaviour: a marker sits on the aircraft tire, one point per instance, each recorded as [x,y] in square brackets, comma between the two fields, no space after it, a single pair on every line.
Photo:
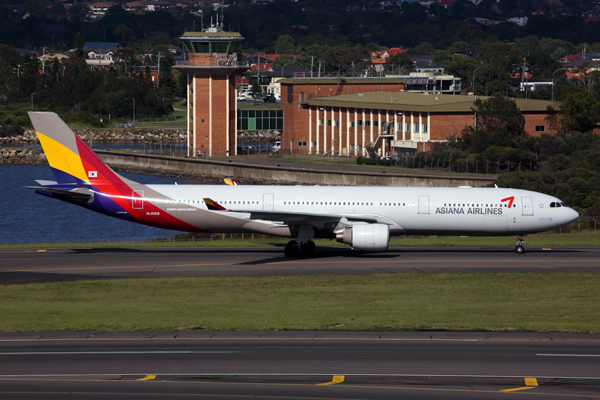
[291,249]
[519,249]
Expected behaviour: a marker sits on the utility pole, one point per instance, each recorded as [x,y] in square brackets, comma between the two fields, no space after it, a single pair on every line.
[158,74]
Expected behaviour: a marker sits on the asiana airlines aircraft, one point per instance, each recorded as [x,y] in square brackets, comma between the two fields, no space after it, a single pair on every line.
[363,217]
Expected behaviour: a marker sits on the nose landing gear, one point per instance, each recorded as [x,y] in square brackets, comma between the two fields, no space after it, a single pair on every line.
[519,249]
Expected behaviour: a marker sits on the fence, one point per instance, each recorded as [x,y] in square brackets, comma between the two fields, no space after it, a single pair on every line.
[410,162]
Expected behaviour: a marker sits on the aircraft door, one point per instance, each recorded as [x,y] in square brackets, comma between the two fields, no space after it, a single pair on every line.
[527,205]
[268,201]
[423,204]
[137,200]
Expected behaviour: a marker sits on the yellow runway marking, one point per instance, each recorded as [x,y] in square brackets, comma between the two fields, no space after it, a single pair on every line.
[546,249]
[386,388]
[147,378]
[336,379]
[530,382]
[41,251]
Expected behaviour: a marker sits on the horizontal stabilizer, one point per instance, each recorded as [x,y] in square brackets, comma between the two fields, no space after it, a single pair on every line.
[79,196]
[45,183]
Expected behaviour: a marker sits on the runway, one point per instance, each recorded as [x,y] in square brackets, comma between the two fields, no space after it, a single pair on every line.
[32,265]
[306,365]
[293,365]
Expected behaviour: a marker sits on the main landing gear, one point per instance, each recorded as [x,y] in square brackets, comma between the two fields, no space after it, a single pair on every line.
[519,249]
[293,248]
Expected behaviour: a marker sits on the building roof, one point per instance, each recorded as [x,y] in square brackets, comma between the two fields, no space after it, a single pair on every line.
[196,35]
[345,80]
[395,50]
[420,102]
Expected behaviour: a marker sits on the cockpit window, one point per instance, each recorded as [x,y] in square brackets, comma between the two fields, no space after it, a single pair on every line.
[553,204]
[563,204]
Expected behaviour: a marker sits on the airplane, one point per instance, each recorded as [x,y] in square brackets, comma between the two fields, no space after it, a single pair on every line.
[363,217]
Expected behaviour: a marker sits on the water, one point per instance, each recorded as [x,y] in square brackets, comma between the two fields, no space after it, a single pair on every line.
[26,217]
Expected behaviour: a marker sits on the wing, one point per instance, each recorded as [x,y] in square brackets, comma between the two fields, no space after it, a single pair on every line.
[316,220]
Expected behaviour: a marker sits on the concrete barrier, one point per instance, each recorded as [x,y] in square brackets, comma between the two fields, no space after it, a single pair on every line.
[286,175]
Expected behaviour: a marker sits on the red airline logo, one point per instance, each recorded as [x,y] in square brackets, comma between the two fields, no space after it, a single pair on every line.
[510,200]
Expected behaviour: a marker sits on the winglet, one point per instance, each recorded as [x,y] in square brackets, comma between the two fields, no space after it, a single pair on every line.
[213,205]
[230,182]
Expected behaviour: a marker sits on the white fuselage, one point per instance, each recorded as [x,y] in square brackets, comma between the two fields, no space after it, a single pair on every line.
[406,210]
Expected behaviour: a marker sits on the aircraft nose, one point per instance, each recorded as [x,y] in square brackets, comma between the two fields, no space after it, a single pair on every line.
[572,215]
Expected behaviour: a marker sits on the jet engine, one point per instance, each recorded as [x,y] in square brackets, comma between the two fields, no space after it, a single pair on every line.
[369,237]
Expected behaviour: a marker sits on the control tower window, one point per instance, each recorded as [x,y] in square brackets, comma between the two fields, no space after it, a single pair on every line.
[202,47]
[220,47]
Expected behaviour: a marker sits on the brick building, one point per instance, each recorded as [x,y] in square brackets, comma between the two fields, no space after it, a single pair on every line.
[211,69]
[366,116]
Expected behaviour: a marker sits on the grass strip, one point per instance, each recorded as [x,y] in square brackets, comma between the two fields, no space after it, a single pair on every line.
[555,302]
[574,238]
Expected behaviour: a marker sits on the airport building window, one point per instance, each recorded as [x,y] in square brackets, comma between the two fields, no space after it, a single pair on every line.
[360,122]
[336,123]
[328,122]
[375,123]
[416,128]
[367,123]
[321,122]
[540,128]
[424,128]
[407,127]
[351,124]
[302,144]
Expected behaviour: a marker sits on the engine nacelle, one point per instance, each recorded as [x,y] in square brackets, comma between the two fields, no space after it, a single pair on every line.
[369,237]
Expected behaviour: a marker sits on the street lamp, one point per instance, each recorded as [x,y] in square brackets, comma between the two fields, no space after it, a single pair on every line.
[134,111]
[553,81]
[475,70]
[32,101]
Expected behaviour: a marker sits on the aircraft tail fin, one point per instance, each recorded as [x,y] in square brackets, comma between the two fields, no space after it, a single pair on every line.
[72,162]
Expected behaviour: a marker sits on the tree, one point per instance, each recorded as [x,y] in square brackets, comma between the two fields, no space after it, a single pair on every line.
[499,122]
[580,112]
[79,10]
[462,67]
[285,44]
[400,60]
[78,44]
[255,90]
[124,34]
[284,59]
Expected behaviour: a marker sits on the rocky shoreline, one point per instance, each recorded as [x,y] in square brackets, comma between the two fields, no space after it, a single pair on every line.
[105,136]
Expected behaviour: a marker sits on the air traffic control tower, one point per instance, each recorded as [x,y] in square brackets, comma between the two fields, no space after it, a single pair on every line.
[211,69]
